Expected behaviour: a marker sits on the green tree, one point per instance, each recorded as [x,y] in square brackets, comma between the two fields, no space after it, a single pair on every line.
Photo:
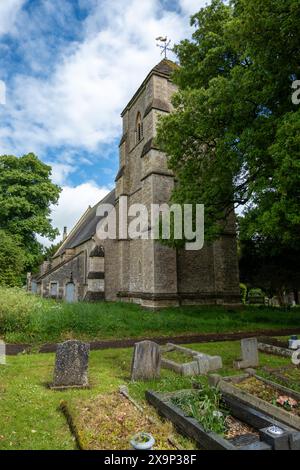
[12,260]
[265,265]
[49,251]
[234,138]
[26,193]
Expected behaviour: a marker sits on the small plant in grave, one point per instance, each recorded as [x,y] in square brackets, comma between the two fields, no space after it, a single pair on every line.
[206,407]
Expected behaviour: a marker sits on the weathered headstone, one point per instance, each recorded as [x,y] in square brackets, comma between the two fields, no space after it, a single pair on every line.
[249,348]
[146,361]
[2,352]
[71,364]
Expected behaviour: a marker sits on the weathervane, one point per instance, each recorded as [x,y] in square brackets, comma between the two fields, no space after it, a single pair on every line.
[165,45]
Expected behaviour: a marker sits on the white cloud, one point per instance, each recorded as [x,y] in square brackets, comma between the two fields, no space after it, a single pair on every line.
[73,202]
[79,104]
[192,6]
[60,172]
[9,10]
[76,104]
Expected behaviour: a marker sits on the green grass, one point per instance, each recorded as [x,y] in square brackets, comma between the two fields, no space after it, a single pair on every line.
[29,413]
[177,356]
[25,318]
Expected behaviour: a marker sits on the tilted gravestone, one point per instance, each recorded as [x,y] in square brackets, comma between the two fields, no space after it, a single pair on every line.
[249,348]
[71,364]
[146,361]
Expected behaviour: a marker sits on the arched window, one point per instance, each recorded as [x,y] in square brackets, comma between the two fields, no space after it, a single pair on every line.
[138,128]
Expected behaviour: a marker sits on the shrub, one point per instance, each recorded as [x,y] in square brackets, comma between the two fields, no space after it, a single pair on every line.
[256,293]
[243,290]
[16,308]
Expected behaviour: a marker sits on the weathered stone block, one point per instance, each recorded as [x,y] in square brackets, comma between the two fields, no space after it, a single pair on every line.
[146,361]
[203,364]
[214,379]
[279,442]
[215,362]
[71,364]
[189,368]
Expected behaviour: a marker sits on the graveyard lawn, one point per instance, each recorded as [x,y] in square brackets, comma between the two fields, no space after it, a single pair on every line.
[29,413]
[28,319]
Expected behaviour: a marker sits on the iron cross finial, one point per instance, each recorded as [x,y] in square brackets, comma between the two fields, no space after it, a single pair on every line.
[164,46]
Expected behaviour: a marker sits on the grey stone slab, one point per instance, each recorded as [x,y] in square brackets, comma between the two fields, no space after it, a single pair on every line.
[71,364]
[146,361]
[249,348]
[250,351]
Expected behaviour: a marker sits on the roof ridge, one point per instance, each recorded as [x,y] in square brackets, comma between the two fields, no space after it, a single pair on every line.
[81,223]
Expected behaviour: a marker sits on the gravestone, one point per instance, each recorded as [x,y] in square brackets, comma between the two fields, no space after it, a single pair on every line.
[249,347]
[71,364]
[2,352]
[146,361]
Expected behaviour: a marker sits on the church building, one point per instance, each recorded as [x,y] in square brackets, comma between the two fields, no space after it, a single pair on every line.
[140,270]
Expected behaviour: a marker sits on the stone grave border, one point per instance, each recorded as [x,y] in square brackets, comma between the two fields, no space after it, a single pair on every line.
[276,350]
[209,440]
[277,372]
[67,387]
[227,388]
[200,364]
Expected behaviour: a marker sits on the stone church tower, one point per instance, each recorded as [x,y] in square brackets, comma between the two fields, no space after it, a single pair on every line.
[143,270]
[152,274]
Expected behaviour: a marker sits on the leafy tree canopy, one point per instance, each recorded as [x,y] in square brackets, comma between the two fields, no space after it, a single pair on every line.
[234,137]
[12,260]
[264,265]
[26,193]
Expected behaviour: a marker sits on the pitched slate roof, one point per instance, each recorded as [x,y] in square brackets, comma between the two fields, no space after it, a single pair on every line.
[85,228]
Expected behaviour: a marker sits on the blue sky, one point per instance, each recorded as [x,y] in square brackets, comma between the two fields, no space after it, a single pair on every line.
[70,67]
